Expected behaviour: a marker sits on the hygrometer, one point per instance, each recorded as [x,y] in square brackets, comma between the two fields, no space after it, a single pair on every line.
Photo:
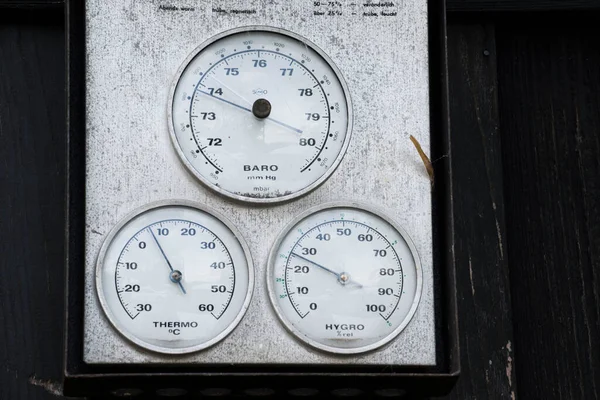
[344,278]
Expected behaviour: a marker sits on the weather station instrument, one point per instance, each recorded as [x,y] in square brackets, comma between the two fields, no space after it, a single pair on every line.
[344,278]
[174,278]
[282,93]
[247,214]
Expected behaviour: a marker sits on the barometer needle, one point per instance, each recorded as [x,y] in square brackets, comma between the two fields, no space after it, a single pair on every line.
[250,111]
[228,88]
[166,259]
[225,101]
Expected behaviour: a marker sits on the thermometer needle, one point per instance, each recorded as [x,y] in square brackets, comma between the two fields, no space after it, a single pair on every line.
[339,276]
[166,259]
[250,111]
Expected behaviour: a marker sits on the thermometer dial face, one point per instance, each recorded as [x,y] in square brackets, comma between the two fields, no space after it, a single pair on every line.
[344,278]
[174,278]
[260,115]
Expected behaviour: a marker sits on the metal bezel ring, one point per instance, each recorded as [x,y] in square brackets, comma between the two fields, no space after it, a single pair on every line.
[299,334]
[153,206]
[220,190]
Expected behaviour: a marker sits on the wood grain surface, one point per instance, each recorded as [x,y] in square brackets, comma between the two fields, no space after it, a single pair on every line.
[550,108]
[482,268]
[32,137]
[32,4]
[488,6]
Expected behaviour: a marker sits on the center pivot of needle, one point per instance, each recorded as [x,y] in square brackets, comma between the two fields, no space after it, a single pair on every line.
[176,276]
[261,108]
[343,278]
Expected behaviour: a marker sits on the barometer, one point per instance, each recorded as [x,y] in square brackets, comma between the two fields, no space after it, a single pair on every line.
[260,114]
[344,278]
[174,277]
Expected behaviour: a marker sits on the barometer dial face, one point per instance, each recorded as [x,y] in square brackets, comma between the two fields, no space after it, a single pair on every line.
[344,278]
[174,277]
[260,115]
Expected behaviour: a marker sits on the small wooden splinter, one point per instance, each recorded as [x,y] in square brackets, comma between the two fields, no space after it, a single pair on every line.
[424,157]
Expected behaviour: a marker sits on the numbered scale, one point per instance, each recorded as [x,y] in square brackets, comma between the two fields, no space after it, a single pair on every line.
[174,277]
[344,279]
[260,114]
[253,219]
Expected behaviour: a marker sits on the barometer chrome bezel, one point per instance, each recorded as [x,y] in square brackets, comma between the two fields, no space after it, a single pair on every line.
[247,199]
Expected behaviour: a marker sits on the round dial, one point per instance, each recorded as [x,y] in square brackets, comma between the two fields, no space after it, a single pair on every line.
[259,114]
[174,277]
[344,278]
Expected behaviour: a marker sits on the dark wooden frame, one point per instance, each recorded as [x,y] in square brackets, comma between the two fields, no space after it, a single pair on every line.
[97,380]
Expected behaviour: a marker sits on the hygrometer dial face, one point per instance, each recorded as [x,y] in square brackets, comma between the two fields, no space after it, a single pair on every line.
[344,278]
[174,277]
[260,115]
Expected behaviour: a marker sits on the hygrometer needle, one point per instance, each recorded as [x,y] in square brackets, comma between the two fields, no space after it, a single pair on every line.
[318,265]
[342,278]
[166,259]
[249,110]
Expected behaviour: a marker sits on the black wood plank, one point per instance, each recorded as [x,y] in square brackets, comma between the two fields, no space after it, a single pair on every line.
[31,4]
[484,303]
[32,137]
[550,108]
[520,5]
